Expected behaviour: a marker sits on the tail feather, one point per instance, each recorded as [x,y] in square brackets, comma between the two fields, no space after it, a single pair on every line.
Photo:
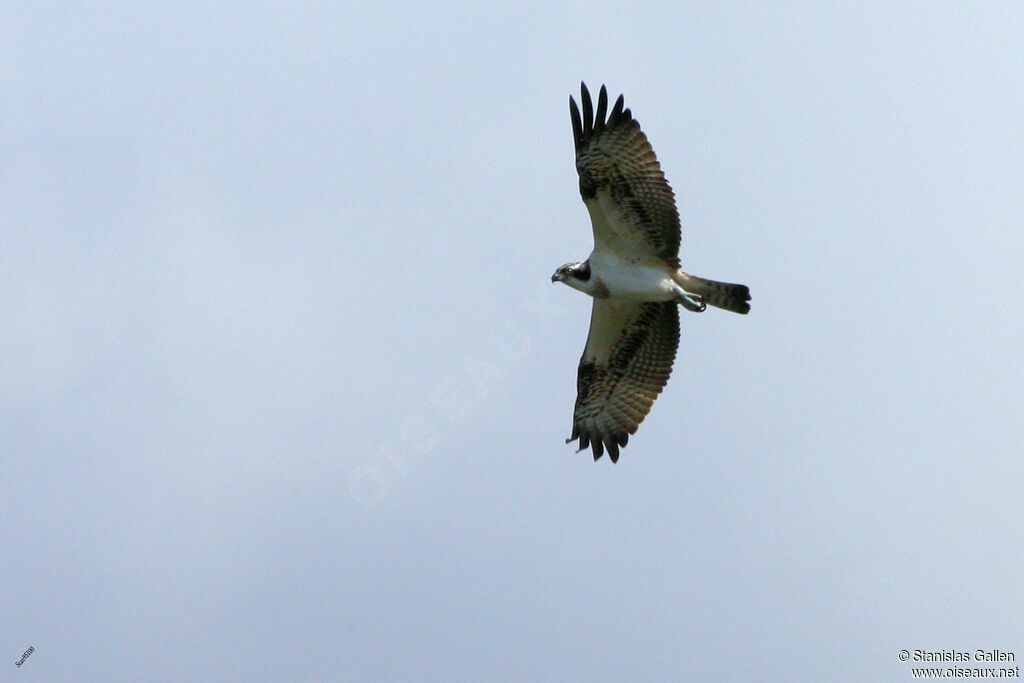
[725,295]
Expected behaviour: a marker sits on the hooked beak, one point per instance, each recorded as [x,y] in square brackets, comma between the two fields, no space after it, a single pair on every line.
[557,277]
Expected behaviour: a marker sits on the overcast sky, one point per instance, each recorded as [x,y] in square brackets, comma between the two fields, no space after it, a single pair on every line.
[285,383]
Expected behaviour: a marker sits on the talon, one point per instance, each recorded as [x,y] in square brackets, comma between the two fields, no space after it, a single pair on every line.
[692,302]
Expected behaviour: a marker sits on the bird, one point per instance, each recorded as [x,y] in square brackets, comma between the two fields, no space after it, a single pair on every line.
[633,275]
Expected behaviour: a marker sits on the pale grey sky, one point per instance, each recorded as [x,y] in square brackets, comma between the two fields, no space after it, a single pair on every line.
[285,382]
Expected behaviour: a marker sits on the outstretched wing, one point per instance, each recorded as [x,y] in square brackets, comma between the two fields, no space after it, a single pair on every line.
[625,365]
[631,205]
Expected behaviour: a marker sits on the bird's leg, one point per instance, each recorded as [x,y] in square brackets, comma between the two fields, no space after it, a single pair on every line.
[691,302]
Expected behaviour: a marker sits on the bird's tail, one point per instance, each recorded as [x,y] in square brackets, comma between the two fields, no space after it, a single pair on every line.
[725,295]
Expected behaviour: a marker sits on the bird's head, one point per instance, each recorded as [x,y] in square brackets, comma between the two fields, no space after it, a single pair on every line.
[576,275]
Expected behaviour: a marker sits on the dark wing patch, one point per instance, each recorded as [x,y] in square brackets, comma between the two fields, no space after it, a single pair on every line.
[625,365]
[620,173]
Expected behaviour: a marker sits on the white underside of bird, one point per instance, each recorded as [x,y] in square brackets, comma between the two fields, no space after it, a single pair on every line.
[633,279]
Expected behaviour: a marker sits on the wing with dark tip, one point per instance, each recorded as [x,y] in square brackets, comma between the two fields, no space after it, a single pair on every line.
[625,365]
[632,207]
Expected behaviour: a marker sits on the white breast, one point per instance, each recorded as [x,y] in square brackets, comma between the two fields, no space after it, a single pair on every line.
[637,281]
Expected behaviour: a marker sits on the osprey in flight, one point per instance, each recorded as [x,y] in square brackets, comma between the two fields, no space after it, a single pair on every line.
[632,274]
